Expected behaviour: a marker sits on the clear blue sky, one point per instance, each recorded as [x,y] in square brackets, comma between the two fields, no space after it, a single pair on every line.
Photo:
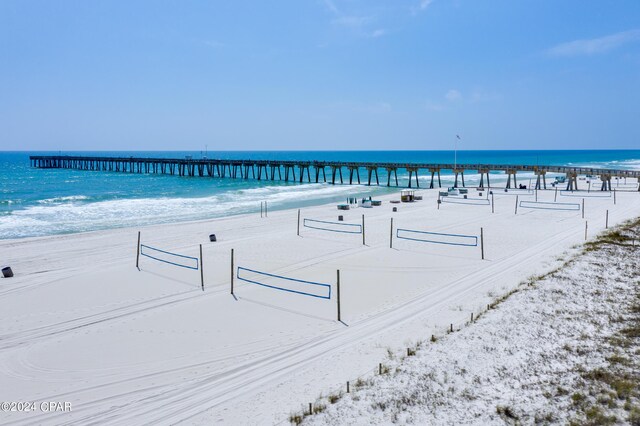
[319,74]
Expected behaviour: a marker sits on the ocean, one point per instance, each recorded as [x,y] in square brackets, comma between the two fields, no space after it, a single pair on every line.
[38,202]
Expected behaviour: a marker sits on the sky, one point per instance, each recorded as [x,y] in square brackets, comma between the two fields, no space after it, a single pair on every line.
[319,74]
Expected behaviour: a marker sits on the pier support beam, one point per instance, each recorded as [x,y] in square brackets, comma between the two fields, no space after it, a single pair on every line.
[355,169]
[606,182]
[318,170]
[541,178]
[391,170]
[572,181]
[484,172]
[511,172]
[302,168]
[334,170]
[457,172]
[433,172]
[370,171]
[411,171]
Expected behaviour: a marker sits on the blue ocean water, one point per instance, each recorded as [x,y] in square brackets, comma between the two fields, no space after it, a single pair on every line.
[36,202]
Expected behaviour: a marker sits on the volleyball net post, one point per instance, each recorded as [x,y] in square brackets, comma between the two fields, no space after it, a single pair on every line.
[138,252]
[338,294]
[232,269]
[363,238]
[201,269]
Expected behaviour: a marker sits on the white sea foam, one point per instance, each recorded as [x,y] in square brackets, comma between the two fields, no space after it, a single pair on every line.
[63,199]
[66,214]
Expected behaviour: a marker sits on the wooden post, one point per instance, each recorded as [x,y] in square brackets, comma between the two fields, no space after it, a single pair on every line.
[310,408]
[201,269]
[586,226]
[439,201]
[380,369]
[391,235]
[261,208]
[232,261]
[492,203]
[583,208]
[338,293]
[536,194]
[482,243]
[555,196]
[606,223]
[471,316]
[298,222]
[265,210]
[451,328]
[516,211]
[347,386]
[138,252]
[614,196]
[363,240]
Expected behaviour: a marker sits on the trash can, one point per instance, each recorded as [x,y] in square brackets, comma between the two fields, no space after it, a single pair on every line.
[7,272]
[212,238]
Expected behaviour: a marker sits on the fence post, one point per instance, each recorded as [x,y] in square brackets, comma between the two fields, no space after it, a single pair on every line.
[492,203]
[201,269]
[555,196]
[482,243]
[516,212]
[583,208]
[439,201]
[363,240]
[614,196]
[232,271]
[338,293]
[606,223]
[265,210]
[586,226]
[298,222]
[261,209]
[138,252]
[391,235]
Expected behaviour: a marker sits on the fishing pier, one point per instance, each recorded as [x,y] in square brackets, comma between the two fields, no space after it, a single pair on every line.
[321,171]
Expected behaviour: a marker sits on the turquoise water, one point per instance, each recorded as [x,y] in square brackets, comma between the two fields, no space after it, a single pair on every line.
[35,202]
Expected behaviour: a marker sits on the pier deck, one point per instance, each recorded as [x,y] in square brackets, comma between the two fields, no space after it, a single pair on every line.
[301,171]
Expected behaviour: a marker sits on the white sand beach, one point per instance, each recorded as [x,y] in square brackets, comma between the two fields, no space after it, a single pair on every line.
[80,323]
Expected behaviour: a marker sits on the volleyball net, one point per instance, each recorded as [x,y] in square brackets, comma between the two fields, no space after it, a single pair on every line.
[468,201]
[541,205]
[164,256]
[282,283]
[323,225]
[437,237]
[586,194]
